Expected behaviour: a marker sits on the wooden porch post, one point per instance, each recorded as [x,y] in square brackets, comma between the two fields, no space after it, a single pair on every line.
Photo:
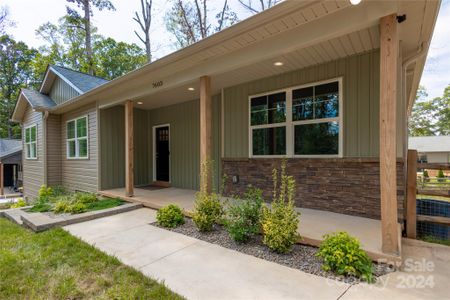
[205,130]
[1,179]
[389,45]
[129,149]
[411,193]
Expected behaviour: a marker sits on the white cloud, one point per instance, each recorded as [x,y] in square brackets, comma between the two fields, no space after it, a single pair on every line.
[436,75]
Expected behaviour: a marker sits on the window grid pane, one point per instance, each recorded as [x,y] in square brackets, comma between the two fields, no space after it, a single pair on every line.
[71,148]
[71,130]
[82,148]
[268,109]
[269,141]
[81,127]
[316,139]
[33,134]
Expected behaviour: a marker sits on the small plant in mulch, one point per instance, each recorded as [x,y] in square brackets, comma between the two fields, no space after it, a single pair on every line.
[208,209]
[441,176]
[342,254]
[243,218]
[280,220]
[170,216]
[20,203]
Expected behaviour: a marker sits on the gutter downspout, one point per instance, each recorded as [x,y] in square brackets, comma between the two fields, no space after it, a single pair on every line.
[45,115]
[406,63]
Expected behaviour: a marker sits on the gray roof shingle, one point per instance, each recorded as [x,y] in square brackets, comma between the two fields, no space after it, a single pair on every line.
[84,82]
[37,99]
[9,146]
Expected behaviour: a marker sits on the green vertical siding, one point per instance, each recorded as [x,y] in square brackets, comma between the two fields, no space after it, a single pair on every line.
[61,91]
[360,76]
[112,130]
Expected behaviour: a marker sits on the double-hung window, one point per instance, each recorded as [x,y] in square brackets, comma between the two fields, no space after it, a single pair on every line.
[299,121]
[77,138]
[31,142]
[268,124]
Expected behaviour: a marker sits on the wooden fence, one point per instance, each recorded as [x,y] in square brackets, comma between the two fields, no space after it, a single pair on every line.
[411,195]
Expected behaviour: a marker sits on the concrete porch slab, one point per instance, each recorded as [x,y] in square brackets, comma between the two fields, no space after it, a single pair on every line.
[313,225]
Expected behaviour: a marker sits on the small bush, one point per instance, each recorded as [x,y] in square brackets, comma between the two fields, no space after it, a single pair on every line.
[76,208]
[243,218]
[45,192]
[85,198]
[440,174]
[170,216]
[280,221]
[342,254]
[20,203]
[41,206]
[207,207]
[61,206]
[425,174]
[207,211]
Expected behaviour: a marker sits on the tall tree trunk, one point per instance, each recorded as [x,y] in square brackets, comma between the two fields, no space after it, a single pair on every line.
[87,26]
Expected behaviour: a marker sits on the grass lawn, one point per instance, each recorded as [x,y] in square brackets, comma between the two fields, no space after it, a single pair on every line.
[431,239]
[56,265]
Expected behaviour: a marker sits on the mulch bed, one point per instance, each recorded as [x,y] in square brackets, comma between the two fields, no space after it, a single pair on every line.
[300,257]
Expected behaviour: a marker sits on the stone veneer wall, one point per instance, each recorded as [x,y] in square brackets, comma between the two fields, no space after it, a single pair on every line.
[342,185]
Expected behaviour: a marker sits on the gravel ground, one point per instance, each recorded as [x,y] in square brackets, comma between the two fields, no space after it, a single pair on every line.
[301,257]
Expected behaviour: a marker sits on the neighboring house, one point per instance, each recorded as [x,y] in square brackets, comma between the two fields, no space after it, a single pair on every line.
[431,149]
[10,166]
[306,80]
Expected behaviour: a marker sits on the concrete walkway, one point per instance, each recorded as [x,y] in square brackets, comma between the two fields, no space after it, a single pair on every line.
[200,270]
[197,269]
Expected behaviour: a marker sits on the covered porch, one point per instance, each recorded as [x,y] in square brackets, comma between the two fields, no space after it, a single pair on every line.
[313,225]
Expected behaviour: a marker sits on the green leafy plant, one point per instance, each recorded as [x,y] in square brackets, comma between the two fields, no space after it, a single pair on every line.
[440,174]
[76,208]
[243,218]
[61,206]
[45,192]
[342,254]
[170,216]
[20,203]
[85,198]
[42,205]
[280,221]
[208,208]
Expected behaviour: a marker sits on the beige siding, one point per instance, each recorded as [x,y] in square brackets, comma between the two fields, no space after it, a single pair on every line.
[438,157]
[360,75]
[61,91]
[54,150]
[80,174]
[33,169]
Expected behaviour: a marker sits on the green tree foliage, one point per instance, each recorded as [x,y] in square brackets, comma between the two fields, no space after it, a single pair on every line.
[191,21]
[114,59]
[15,73]
[430,117]
[82,20]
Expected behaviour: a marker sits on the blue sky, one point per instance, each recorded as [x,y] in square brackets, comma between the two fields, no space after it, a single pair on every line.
[30,14]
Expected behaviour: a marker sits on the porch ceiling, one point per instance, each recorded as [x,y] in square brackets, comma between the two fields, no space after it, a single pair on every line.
[299,33]
[346,45]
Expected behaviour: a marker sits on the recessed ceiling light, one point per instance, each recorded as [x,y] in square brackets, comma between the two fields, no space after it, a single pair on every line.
[191,89]
[355,2]
[278,63]
[140,102]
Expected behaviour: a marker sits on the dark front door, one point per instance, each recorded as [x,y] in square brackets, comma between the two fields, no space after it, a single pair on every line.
[162,153]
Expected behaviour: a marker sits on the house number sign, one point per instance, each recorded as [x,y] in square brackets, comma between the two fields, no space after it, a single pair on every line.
[157,84]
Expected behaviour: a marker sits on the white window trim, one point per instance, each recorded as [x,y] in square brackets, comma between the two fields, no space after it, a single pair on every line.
[76,139]
[27,154]
[289,124]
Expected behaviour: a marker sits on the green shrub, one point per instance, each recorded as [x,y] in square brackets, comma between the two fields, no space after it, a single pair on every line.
[280,221]
[20,203]
[440,174]
[243,218]
[342,254]
[85,198]
[61,206]
[207,207]
[45,192]
[170,216]
[425,174]
[41,206]
[207,210]
[76,208]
